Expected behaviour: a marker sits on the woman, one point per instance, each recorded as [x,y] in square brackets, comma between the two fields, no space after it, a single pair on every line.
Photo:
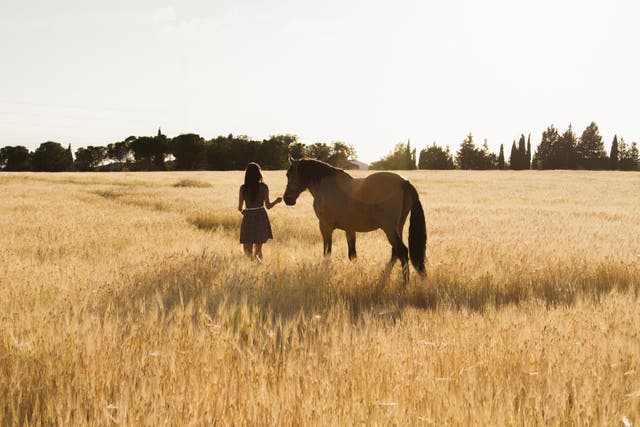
[255,229]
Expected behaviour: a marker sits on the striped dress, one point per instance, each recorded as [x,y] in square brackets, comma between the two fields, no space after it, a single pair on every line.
[255,227]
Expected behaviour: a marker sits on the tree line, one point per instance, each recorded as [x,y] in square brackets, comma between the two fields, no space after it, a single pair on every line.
[192,152]
[555,151]
[183,152]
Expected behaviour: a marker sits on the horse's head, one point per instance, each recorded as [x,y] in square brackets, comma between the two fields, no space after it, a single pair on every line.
[295,186]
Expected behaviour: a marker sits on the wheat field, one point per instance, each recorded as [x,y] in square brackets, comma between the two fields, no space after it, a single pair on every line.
[125,299]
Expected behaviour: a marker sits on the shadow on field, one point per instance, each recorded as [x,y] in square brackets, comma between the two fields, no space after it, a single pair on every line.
[211,221]
[192,183]
[222,287]
[231,220]
[141,200]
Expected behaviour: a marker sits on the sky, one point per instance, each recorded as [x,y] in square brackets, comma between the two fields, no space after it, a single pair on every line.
[369,73]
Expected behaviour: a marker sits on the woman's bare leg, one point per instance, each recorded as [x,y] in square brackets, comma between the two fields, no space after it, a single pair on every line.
[258,251]
[247,249]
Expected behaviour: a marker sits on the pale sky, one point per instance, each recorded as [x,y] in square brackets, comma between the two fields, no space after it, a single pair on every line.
[368,73]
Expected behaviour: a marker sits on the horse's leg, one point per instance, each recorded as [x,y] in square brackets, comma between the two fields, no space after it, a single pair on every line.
[390,264]
[327,232]
[394,255]
[403,220]
[351,242]
[392,261]
[399,251]
[405,264]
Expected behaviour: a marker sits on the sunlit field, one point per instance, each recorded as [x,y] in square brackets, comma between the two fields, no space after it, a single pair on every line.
[125,298]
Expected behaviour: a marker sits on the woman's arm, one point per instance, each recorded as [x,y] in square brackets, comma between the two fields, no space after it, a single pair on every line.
[240,200]
[269,204]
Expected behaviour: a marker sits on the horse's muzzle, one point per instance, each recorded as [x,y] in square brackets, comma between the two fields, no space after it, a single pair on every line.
[289,201]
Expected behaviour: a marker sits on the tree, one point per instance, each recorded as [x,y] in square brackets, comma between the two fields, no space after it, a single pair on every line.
[486,159]
[161,145]
[470,157]
[298,150]
[120,151]
[466,154]
[410,156]
[501,158]
[217,154]
[434,157]
[514,158]
[319,150]
[69,155]
[273,153]
[528,156]
[150,150]
[14,159]
[542,159]
[590,149]
[563,151]
[518,158]
[634,156]
[50,156]
[628,156]
[143,149]
[188,150]
[239,151]
[401,158]
[522,154]
[614,160]
[87,159]
[341,153]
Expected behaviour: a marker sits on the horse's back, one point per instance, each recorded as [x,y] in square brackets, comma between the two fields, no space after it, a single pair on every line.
[378,187]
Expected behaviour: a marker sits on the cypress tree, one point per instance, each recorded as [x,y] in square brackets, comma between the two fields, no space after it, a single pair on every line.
[522,153]
[614,161]
[410,157]
[501,158]
[69,160]
[528,164]
[634,155]
[514,157]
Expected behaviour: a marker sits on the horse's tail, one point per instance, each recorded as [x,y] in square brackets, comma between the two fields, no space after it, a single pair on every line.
[417,231]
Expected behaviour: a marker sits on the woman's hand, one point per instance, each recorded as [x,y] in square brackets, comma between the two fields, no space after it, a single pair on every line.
[269,204]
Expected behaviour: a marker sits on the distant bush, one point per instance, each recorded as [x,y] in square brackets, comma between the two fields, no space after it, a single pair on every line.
[215,220]
[192,183]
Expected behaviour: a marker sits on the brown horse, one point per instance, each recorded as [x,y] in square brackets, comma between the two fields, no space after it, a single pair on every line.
[381,200]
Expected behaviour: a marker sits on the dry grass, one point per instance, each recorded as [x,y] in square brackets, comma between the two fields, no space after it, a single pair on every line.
[126,299]
[192,183]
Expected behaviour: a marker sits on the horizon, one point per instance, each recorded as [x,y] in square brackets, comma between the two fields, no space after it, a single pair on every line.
[368,74]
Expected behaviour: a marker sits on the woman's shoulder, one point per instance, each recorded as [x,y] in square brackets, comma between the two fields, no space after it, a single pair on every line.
[264,186]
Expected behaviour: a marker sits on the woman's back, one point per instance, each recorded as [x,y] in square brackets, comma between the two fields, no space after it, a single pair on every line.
[254,200]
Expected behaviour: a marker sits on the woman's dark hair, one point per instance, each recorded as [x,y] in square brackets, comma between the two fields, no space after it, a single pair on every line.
[252,180]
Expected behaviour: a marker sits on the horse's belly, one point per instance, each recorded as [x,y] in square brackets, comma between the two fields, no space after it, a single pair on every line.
[358,222]
[357,228]
[366,228]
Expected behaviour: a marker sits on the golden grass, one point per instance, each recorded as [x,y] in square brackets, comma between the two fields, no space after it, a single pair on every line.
[192,183]
[126,299]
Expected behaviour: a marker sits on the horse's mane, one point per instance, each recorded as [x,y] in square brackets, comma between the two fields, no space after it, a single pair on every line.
[312,170]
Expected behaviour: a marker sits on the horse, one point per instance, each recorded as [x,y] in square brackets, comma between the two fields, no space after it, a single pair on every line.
[382,200]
